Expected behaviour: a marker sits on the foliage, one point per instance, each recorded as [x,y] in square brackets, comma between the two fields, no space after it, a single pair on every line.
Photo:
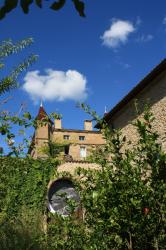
[8,119]
[20,120]
[23,201]
[25,121]
[54,149]
[7,48]
[124,202]
[24,184]
[16,236]
[24,4]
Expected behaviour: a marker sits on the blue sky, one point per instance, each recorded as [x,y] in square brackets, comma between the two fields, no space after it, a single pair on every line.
[97,59]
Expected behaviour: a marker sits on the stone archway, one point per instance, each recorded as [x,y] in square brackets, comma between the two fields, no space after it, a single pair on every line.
[60,193]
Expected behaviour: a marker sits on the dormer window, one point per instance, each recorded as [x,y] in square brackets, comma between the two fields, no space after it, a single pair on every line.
[66,137]
[82,138]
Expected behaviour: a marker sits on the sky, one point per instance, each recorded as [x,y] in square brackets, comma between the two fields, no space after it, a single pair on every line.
[96,60]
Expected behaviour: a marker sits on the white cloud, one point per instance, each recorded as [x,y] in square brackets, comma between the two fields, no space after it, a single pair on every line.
[55,85]
[145,38]
[118,33]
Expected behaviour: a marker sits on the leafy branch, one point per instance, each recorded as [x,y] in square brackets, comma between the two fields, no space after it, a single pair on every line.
[25,4]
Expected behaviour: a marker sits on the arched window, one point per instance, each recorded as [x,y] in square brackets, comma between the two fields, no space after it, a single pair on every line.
[60,192]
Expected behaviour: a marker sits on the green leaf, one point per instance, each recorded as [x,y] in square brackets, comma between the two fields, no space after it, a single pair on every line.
[8,6]
[27,116]
[80,6]
[21,132]
[25,5]
[58,5]
[39,3]
[95,194]
[2,13]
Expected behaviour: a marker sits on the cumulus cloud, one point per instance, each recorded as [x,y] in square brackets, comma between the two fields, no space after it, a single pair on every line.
[118,33]
[55,85]
[145,38]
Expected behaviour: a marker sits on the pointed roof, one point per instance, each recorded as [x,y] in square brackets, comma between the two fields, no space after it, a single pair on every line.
[42,113]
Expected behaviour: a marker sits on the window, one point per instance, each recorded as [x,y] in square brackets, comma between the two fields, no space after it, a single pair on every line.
[82,152]
[66,137]
[81,138]
[66,149]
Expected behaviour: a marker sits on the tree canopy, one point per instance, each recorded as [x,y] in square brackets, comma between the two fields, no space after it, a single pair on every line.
[25,4]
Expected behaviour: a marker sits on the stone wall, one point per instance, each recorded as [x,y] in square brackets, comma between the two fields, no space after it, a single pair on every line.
[71,167]
[155,95]
[92,140]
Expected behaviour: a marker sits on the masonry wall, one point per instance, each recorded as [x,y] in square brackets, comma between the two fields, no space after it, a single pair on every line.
[42,135]
[92,140]
[155,95]
[71,167]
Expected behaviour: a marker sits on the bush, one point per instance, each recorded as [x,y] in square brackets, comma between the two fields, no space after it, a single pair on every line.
[124,201]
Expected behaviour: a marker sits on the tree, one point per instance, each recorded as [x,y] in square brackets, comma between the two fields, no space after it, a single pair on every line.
[124,200]
[8,48]
[56,5]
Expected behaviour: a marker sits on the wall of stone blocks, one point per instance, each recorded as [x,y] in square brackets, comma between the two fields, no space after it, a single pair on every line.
[92,140]
[155,95]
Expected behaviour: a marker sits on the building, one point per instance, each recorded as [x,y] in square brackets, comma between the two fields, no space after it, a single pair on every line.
[78,144]
[151,90]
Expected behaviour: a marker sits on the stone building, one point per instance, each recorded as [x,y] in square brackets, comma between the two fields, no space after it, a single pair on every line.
[151,90]
[78,143]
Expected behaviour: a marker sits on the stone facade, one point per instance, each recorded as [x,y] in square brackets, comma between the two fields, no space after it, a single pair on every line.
[151,90]
[72,166]
[77,139]
[78,143]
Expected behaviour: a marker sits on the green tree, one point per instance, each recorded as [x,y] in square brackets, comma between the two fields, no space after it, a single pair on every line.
[7,48]
[25,4]
[7,120]
[124,201]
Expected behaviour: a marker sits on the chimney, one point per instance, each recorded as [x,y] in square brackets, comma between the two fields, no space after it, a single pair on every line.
[58,123]
[88,125]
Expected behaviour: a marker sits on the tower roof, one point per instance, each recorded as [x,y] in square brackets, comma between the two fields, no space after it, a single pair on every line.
[42,114]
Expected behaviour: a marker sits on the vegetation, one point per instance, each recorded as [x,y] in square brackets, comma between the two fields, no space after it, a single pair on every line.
[25,4]
[8,48]
[54,149]
[7,83]
[20,120]
[124,202]
[23,192]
